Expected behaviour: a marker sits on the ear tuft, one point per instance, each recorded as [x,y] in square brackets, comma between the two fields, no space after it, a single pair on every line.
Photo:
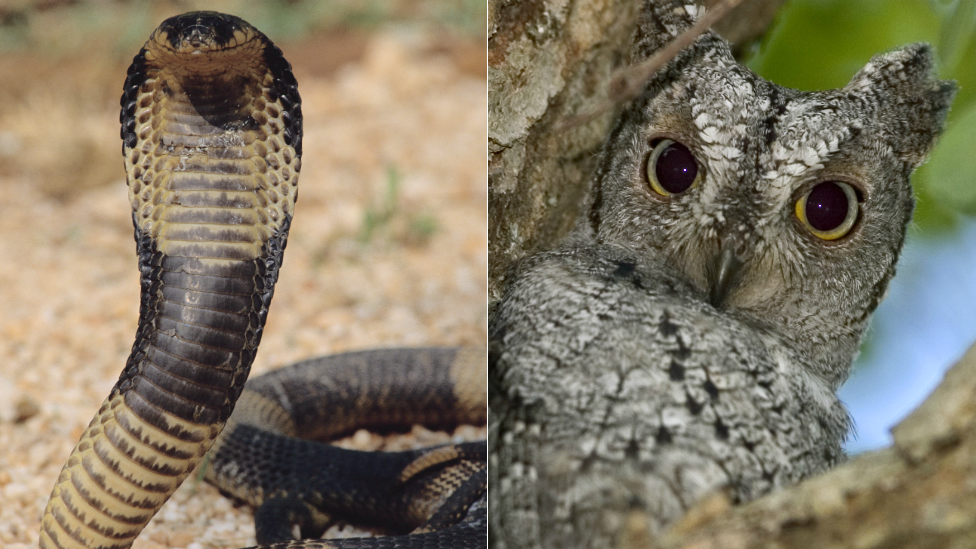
[904,88]
[907,72]
[910,65]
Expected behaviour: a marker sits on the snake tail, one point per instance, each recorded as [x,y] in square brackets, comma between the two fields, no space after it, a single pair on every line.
[270,449]
[212,132]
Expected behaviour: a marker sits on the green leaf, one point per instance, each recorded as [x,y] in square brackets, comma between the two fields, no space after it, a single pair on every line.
[956,35]
[951,172]
[820,44]
[931,216]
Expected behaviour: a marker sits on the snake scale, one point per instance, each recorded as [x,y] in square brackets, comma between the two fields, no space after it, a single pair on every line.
[212,141]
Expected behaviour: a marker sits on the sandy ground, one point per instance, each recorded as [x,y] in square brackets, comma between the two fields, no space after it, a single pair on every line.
[405,103]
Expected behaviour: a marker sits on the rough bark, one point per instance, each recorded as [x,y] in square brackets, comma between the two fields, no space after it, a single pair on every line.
[548,61]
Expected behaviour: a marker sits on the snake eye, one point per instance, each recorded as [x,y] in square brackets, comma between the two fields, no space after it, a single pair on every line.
[671,168]
[828,210]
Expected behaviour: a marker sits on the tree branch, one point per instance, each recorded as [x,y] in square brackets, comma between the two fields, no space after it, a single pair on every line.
[628,83]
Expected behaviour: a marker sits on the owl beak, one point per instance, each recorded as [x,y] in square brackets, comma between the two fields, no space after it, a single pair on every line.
[724,272]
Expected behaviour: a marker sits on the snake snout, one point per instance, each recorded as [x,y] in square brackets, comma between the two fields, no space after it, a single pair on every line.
[202,31]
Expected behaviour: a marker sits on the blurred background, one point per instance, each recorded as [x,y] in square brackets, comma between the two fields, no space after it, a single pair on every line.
[929,317]
[387,248]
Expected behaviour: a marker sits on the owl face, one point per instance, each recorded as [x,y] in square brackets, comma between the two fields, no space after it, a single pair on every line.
[786,207]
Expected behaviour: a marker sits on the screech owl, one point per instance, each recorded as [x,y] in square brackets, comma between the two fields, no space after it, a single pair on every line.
[690,335]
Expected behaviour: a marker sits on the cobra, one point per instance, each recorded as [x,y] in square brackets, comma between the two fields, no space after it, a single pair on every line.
[212,141]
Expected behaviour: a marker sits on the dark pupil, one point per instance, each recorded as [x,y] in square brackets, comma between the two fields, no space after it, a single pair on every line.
[826,206]
[676,169]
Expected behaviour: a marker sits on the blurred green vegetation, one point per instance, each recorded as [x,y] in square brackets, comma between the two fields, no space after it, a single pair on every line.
[65,27]
[388,217]
[819,44]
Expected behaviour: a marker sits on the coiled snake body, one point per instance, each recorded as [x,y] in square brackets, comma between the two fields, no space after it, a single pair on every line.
[212,141]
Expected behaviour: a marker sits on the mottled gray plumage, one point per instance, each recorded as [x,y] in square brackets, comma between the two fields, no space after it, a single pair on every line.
[675,346]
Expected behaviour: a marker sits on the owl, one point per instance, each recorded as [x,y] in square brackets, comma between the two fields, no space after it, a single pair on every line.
[690,335]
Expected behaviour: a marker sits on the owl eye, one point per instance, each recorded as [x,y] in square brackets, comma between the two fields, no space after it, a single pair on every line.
[828,210]
[671,168]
